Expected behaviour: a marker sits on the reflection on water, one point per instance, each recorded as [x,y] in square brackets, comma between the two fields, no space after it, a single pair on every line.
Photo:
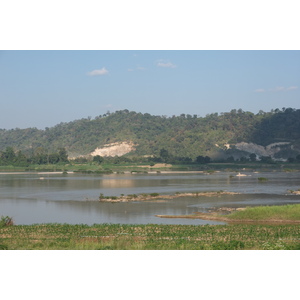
[72,198]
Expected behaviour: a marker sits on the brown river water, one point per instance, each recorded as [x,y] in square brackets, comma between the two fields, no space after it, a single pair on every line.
[31,198]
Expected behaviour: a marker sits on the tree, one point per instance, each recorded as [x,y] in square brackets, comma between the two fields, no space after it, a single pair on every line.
[243,159]
[252,157]
[8,156]
[266,159]
[230,159]
[200,159]
[207,159]
[21,160]
[98,159]
[164,154]
[203,160]
[53,158]
[62,155]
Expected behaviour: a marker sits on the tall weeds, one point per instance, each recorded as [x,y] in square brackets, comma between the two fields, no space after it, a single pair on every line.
[6,221]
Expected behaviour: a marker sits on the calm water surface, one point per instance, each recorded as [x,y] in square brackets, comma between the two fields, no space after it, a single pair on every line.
[72,198]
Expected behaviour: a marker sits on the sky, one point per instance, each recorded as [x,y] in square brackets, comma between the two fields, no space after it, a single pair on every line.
[43,88]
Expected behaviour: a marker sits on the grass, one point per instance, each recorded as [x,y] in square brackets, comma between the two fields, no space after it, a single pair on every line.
[277,214]
[149,237]
[145,167]
[268,213]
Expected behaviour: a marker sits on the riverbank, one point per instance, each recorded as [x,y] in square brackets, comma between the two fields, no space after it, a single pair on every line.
[256,228]
[156,168]
[156,196]
[284,214]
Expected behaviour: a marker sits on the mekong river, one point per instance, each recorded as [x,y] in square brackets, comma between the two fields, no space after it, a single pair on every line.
[31,198]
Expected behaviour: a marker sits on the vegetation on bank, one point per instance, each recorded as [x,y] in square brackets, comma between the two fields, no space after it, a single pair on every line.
[150,237]
[157,196]
[276,236]
[272,213]
[6,221]
[108,167]
[260,214]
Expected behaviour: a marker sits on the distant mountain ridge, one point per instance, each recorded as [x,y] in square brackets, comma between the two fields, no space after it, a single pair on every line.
[215,135]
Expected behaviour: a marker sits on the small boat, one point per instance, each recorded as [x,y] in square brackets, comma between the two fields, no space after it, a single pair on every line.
[240,175]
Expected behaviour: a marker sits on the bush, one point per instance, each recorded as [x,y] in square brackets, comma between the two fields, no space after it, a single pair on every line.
[154,194]
[6,221]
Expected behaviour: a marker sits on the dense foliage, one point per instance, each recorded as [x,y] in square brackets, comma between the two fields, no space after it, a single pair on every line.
[40,157]
[183,136]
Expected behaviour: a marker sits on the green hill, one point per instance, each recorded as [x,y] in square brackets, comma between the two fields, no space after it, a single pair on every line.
[182,136]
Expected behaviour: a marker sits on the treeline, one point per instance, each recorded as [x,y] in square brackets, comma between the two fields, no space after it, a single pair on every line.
[182,136]
[166,157]
[40,157]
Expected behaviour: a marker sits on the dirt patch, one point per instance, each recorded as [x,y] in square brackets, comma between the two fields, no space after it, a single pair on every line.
[295,192]
[157,166]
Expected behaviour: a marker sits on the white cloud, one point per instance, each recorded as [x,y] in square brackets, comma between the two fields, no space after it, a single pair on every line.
[278,89]
[165,64]
[102,71]
[292,88]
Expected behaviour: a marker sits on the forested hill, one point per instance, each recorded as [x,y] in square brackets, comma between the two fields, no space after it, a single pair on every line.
[184,135]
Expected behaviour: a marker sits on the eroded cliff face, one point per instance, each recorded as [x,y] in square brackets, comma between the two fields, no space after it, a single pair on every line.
[259,150]
[114,149]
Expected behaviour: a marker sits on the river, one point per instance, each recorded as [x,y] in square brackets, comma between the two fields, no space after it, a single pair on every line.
[31,198]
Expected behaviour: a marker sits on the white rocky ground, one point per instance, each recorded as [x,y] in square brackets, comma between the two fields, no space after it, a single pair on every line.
[114,149]
[259,150]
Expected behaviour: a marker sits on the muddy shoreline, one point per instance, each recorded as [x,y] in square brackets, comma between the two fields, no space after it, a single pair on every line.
[141,197]
[213,216]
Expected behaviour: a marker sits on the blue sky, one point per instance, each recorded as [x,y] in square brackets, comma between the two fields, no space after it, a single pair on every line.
[43,88]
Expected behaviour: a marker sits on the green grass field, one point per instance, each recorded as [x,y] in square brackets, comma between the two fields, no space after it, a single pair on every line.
[268,213]
[276,236]
[149,237]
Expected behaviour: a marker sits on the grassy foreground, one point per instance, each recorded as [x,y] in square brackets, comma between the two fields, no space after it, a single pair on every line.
[275,214]
[278,235]
[147,237]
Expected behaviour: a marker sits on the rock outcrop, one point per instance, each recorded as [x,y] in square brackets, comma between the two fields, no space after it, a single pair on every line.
[259,150]
[114,149]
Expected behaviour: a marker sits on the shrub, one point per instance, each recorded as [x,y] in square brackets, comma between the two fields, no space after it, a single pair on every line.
[6,221]
[154,194]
